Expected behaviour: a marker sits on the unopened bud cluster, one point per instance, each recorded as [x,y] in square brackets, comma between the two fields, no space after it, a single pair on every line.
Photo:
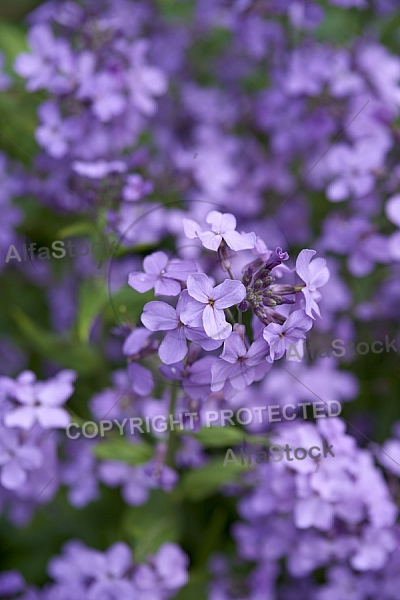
[262,295]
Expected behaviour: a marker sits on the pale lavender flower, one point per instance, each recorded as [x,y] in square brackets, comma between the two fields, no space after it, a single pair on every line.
[208,304]
[110,574]
[136,346]
[159,316]
[239,364]
[315,274]
[392,210]
[166,571]
[49,64]
[41,401]
[280,337]
[98,169]
[17,458]
[55,134]
[136,484]
[107,99]
[223,227]
[11,582]
[163,274]
[144,82]
[136,188]
[353,169]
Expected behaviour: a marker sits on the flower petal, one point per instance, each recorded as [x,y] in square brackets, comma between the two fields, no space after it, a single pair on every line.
[173,348]
[141,282]
[155,263]
[302,264]
[199,287]
[210,240]
[228,293]
[159,316]
[240,241]
[214,323]
[191,228]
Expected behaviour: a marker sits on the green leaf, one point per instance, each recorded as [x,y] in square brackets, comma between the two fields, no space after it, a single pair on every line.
[122,450]
[60,349]
[206,481]
[76,229]
[93,297]
[196,588]
[219,437]
[12,40]
[152,524]
[127,305]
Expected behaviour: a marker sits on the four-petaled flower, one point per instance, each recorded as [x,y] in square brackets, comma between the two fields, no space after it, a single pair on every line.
[208,304]
[239,365]
[223,227]
[160,316]
[41,401]
[280,337]
[161,273]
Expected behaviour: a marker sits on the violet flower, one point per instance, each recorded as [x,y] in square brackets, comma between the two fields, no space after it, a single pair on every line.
[165,275]
[17,458]
[315,274]
[41,401]
[223,228]
[238,364]
[208,304]
[160,316]
[165,571]
[280,337]
[144,81]
[110,572]
[137,345]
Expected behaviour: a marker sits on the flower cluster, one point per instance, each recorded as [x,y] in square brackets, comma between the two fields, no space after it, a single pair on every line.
[85,573]
[202,310]
[28,457]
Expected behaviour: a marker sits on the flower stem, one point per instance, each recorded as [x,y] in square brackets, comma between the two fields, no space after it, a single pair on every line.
[172,439]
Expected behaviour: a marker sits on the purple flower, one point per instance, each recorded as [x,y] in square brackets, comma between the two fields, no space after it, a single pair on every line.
[48,66]
[280,337]
[11,582]
[41,401]
[136,345]
[98,169]
[223,227]
[315,274]
[144,82]
[208,304]
[163,274]
[352,168]
[165,572]
[238,364]
[392,210]
[136,188]
[54,134]
[136,484]
[17,458]
[107,100]
[109,571]
[159,316]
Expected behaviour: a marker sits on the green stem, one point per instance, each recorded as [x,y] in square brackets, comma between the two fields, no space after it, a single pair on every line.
[230,316]
[172,439]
